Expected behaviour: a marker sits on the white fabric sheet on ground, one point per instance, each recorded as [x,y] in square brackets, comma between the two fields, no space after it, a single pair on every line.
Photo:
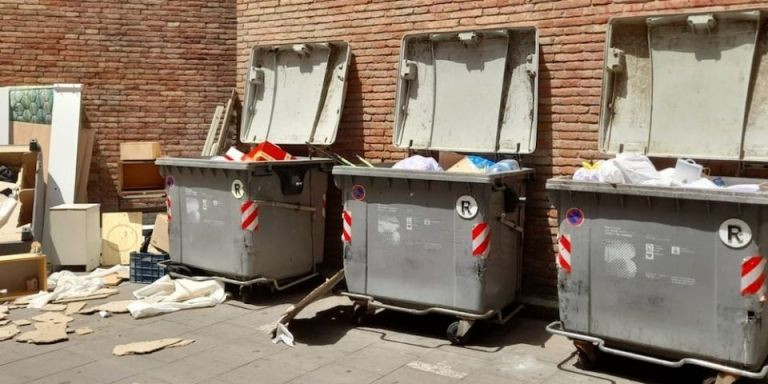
[166,295]
[67,285]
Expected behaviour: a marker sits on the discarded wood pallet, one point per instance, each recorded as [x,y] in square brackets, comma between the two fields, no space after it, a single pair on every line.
[219,130]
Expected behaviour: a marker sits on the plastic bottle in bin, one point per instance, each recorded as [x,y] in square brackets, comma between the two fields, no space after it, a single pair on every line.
[505,166]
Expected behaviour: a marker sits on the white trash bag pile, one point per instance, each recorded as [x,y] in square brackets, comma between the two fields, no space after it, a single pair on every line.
[639,170]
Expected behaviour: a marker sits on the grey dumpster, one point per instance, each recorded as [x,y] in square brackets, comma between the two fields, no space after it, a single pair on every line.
[264,222]
[672,275]
[450,243]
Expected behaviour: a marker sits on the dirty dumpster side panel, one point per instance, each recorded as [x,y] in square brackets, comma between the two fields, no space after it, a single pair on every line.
[652,273]
[206,220]
[408,243]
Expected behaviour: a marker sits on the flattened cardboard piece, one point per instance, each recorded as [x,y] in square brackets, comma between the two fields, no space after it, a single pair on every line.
[142,347]
[21,322]
[52,317]
[8,332]
[4,322]
[83,331]
[159,237]
[75,307]
[112,280]
[54,307]
[45,333]
[99,294]
[120,235]
[111,307]
[4,309]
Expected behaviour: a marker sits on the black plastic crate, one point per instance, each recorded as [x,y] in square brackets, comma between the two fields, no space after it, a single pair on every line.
[144,268]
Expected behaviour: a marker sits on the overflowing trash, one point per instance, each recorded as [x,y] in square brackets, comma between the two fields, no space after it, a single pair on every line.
[639,170]
[264,151]
[464,164]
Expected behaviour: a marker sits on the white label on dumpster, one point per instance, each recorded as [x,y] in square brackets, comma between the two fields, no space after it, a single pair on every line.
[238,190]
[735,233]
[466,207]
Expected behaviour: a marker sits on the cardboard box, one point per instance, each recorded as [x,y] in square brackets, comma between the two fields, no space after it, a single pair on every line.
[140,150]
[22,275]
[159,237]
[75,235]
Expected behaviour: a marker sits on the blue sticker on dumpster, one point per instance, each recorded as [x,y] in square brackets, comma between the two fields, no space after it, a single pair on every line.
[358,192]
[574,217]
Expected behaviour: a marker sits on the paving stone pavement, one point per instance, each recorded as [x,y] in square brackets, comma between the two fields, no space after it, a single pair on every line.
[232,347]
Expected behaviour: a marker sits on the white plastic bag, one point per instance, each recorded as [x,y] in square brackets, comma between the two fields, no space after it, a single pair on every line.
[608,172]
[637,169]
[587,172]
[418,163]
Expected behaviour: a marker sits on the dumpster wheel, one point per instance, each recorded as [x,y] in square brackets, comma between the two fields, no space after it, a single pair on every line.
[359,312]
[458,331]
[587,354]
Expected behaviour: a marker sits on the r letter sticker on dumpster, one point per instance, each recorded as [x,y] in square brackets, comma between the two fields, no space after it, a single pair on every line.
[238,190]
[735,233]
[466,207]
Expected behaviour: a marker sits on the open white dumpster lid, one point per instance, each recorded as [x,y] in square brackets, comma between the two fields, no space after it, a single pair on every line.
[468,91]
[294,93]
[687,86]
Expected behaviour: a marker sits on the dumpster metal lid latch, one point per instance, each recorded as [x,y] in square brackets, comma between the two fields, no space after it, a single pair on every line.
[699,24]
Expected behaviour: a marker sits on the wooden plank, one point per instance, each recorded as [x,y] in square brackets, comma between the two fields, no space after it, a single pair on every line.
[23,133]
[84,165]
[121,235]
[215,123]
[224,131]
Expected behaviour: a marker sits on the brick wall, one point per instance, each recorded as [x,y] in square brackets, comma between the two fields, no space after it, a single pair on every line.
[152,69]
[572,36]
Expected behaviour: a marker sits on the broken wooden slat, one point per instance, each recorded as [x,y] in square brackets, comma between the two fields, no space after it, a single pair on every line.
[215,123]
[224,130]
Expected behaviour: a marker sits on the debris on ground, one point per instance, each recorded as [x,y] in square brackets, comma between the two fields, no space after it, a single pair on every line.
[75,307]
[68,287]
[54,307]
[3,316]
[166,295]
[45,333]
[280,331]
[83,331]
[53,317]
[111,307]
[143,347]
[21,322]
[8,332]
[4,322]
[112,280]
[4,308]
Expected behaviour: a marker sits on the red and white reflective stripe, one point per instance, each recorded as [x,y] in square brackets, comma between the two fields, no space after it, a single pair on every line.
[481,240]
[564,253]
[323,205]
[753,275]
[168,207]
[249,216]
[346,233]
